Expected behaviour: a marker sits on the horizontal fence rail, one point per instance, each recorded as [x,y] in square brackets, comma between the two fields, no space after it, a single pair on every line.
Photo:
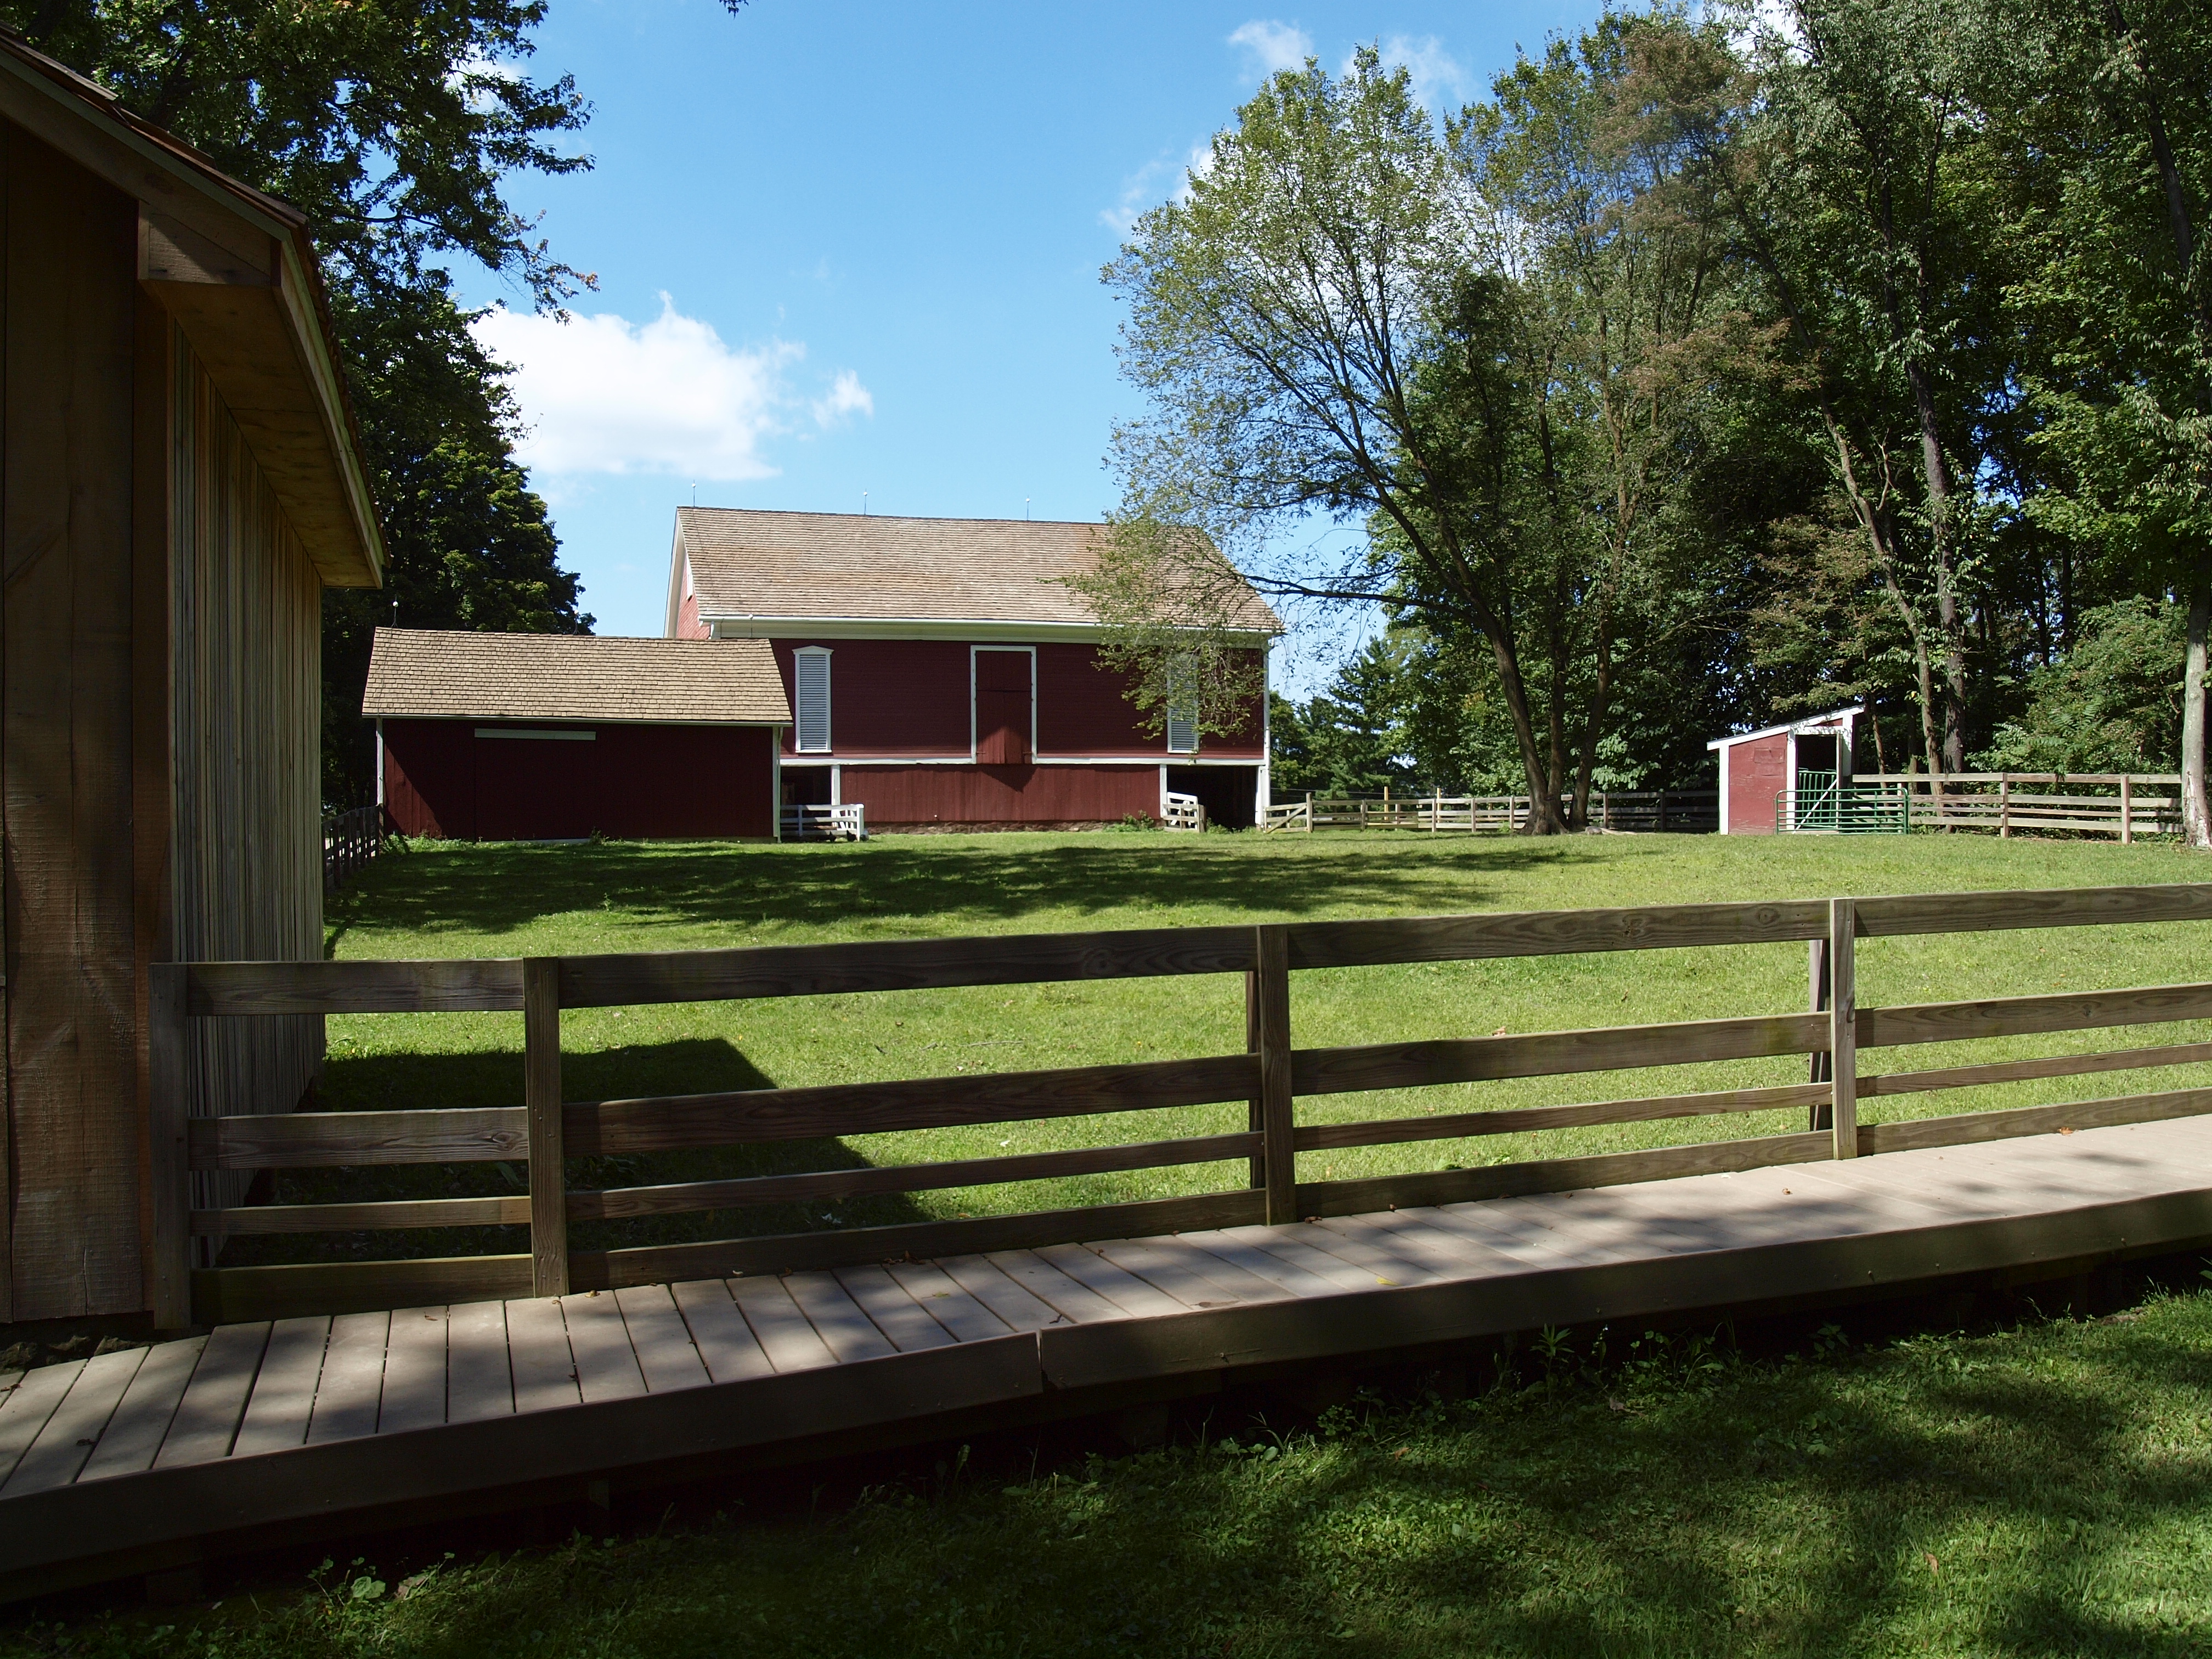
[350,839]
[2126,805]
[1268,1078]
[1683,810]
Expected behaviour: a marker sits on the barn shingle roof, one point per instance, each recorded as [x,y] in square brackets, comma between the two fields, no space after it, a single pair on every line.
[813,565]
[432,674]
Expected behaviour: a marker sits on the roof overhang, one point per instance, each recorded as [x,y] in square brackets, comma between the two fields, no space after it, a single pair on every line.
[1810,723]
[236,269]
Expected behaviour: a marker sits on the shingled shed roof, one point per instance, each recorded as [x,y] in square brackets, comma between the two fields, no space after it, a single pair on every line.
[429,674]
[839,566]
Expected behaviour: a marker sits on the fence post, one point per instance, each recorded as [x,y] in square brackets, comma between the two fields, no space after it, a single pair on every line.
[2004,804]
[1256,1113]
[1816,1001]
[541,1095]
[1843,1026]
[170,1167]
[1271,987]
[2127,810]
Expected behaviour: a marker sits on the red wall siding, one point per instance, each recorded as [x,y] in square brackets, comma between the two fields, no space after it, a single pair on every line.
[1005,698]
[888,696]
[638,782]
[688,625]
[1755,774]
[1003,794]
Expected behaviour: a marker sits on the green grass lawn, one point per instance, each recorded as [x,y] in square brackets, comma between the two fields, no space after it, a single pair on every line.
[2037,1491]
[463,900]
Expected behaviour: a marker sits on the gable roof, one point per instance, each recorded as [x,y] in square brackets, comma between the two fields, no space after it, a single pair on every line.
[236,269]
[839,566]
[434,674]
[1834,717]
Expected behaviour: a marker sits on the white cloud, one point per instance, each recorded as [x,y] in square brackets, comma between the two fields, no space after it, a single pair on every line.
[1144,187]
[1271,45]
[602,394]
[846,396]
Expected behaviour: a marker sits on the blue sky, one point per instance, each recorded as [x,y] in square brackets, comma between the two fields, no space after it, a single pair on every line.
[846,248]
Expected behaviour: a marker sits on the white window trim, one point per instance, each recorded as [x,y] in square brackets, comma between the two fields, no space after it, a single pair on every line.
[828,745]
[1188,721]
[974,737]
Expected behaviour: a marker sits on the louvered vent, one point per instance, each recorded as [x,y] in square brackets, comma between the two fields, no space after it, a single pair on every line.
[812,672]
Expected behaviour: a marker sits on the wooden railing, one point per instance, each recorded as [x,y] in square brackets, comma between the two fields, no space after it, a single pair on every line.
[1182,812]
[1294,816]
[846,822]
[1268,1078]
[350,839]
[2126,805]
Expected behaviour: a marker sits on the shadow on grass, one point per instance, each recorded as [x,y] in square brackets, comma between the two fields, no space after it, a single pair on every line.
[689,1065]
[494,888]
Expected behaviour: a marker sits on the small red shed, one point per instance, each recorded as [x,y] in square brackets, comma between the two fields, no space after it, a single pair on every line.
[1759,768]
[556,737]
[944,674]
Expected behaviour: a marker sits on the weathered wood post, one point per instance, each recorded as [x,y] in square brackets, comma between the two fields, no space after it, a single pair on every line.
[1843,1026]
[541,1097]
[2127,810]
[170,1166]
[1309,829]
[1816,1001]
[1271,1001]
[2004,804]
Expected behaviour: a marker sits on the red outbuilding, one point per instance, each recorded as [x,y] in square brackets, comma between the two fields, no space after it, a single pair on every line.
[552,737]
[1764,773]
[944,674]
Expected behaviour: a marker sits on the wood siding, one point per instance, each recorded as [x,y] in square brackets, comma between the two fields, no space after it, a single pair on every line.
[73,1140]
[642,782]
[245,726]
[944,796]
[1757,771]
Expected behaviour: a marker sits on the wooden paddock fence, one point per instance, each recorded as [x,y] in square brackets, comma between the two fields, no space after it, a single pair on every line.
[1269,1079]
[350,839]
[2126,805]
[1677,810]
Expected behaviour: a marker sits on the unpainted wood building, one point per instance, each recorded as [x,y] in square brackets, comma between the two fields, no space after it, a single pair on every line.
[181,481]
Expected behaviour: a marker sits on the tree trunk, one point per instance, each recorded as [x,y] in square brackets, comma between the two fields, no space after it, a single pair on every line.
[1545,818]
[2196,819]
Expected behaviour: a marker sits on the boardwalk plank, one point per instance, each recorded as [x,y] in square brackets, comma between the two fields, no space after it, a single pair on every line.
[74,1426]
[660,1339]
[284,1394]
[727,1344]
[347,1399]
[849,1332]
[141,1422]
[1438,1256]
[606,1364]
[414,1394]
[1297,1280]
[1021,1309]
[945,1299]
[1513,1229]
[1075,1303]
[791,1343]
[1191,1276]
[26,1407]
[538,1357]
[1133,1294]
[1366,1249]
[1287,1245]
[479,1383]
[207,1421]
[895,1313]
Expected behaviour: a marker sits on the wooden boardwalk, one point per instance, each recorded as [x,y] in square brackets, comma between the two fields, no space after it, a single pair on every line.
[154,1457]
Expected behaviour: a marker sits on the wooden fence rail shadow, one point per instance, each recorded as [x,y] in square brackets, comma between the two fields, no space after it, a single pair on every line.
[1268,1078]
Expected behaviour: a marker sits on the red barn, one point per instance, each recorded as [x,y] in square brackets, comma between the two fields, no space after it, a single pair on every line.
[554,737]
[944,674]
[1758,767]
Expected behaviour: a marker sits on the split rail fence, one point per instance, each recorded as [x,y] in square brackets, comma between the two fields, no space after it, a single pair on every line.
[2126,805]
[1680,810]
[1269,1079]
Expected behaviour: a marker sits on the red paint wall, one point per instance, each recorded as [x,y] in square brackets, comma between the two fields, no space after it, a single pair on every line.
[688,625]
[1003,704]
[1756,772]
[634,783]
[1003,794]
[897,697]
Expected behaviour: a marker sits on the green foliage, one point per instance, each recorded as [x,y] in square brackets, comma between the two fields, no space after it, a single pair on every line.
[2112,704]
[1349,739]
